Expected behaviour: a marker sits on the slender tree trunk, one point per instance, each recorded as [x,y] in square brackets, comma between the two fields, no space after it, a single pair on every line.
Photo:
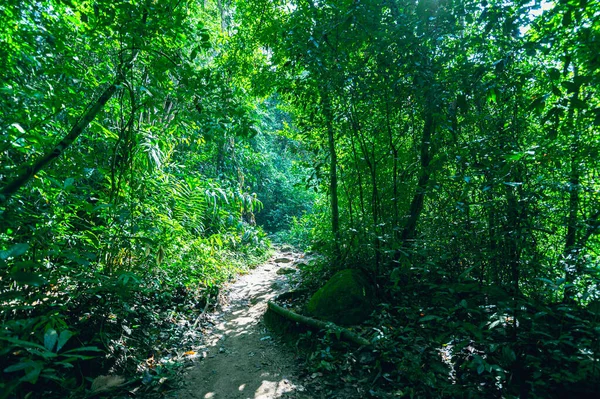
[361,196]
[493,274]
[395,213]
[335,215]
[512,235]
[221,8]
[11,188]
[371,161]
[375,210]
[571,252]
[416,205]
[349,198]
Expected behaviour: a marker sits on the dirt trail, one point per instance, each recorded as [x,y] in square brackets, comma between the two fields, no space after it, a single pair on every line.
[242,358]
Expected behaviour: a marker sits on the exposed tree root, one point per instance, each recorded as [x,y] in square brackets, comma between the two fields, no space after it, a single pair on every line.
[340,331]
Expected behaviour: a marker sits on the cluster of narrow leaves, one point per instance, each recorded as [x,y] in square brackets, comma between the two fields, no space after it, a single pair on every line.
[123,206]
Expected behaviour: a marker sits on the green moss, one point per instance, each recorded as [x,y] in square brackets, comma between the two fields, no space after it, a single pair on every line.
[347,298]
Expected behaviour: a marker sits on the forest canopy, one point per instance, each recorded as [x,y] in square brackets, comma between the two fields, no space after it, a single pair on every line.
[150,150]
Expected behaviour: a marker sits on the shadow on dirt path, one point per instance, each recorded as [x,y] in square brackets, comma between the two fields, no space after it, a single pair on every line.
[242,359]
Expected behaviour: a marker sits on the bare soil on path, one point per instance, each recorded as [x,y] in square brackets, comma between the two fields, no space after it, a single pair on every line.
[242,358]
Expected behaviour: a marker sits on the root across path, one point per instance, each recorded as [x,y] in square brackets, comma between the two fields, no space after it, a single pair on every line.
[242,358]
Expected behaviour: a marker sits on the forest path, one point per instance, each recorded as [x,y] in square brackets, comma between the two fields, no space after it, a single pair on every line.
[242,358]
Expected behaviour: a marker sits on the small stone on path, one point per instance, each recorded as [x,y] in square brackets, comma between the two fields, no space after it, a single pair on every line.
[286,270]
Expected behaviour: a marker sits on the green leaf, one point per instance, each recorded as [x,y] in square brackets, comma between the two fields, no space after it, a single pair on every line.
[18,127]
[494,324]
[33,375]
[63,338]
[65,364]
[194,53]
[46,354]
[464,274]
[578,103]
[556,91]
[22,343]
[83,349]
[570,86]
[145,90]
[567,19]
[72,358]
[68,182]
[480,368]
[28,278]
[514,157]
[491,96]
[107,132]
[14,251]
[338,333]
[582,79]
[538,103]
[50,339]
[32,368]
[545,280]
[253,131]
[429,318]
[19,366]
[50,374]
[509,354]
[554,73]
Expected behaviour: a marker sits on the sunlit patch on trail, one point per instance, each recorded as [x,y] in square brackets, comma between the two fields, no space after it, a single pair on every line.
[243,359]
[272,389]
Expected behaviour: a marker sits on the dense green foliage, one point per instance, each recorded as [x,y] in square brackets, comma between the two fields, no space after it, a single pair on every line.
[448,148]
[144,211]
[457,144]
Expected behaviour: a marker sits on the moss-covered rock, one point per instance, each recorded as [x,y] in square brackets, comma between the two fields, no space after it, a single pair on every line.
[346,299]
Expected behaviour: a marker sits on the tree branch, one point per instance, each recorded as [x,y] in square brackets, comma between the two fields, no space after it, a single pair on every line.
[12,187]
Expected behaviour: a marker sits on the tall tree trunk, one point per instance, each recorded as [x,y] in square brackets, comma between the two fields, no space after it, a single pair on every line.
[416,205]
[512,236]
[394,149]
[335,215]
[361,196]
[222,11]
[375,207]
[371,161]
[349,198]
[571,252]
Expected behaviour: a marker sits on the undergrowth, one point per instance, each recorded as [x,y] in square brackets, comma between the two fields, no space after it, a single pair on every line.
[57,338]
[434,339]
